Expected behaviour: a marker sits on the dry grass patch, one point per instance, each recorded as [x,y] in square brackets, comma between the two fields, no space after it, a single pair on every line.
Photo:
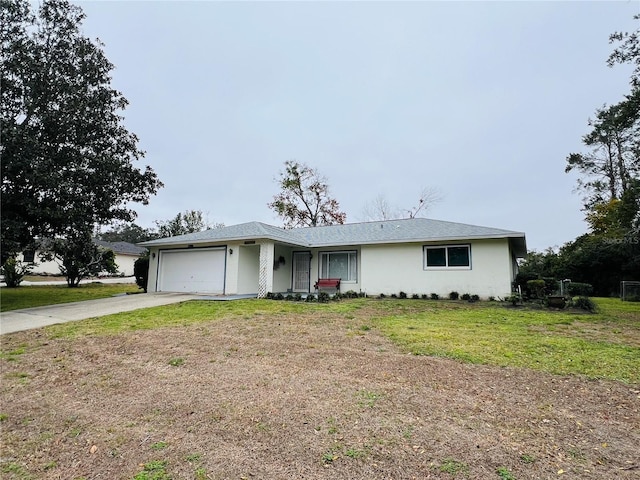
[287,394]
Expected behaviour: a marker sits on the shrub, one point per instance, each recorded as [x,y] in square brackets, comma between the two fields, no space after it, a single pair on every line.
[382,295]
[466,297]
[269,296]
[323,297]
[579,289]
[584,303]
[492,298]
[310,298]
[289,298]
[297,297]
[393,295]
[514,299]
[454,295]
[141,271]
[537,288]
[425,296]
[278,296]
[14,271]
[435,296]
[402,294]
[350,294]
[474,298]
[415,296]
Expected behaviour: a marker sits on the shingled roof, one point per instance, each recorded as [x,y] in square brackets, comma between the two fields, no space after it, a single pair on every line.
[381,232]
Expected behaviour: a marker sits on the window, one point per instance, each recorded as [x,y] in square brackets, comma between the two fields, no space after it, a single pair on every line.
[341,265]
[450,256]
[28,256]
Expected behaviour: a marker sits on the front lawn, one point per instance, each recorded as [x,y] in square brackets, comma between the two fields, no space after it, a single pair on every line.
[28,296]
[279,390]
[601,345]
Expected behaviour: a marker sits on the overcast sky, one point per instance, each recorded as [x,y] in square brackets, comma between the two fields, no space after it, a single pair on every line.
[481,100]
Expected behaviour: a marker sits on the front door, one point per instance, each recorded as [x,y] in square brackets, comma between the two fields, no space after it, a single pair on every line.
[301,271]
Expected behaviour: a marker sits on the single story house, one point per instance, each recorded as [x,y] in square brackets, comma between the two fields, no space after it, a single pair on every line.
[416,256]
[125,255]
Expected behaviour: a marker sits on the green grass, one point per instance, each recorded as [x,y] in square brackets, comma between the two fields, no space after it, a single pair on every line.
[601,345]
[194,312]
[40,295]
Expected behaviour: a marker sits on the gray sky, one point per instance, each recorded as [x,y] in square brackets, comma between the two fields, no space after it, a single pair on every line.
[482,100]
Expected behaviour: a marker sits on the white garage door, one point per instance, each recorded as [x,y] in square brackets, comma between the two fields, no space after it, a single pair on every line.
[194,270]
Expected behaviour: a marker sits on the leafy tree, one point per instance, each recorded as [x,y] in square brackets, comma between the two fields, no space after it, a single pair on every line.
[614,159]
[628,51]
[304,198]
[190,221]
[67,159]
[127,232]
[79,257]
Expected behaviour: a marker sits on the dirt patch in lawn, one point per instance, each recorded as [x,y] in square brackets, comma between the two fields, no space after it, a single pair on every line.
[297,396]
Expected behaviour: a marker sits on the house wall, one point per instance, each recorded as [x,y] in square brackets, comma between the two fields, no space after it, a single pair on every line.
[282,274]
[393,268]
[124,263]
[42,267]
[248,257]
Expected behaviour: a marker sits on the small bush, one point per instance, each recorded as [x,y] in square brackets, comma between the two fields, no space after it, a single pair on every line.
[323,297]
[269,296]
[492,298]
[435,296]
[278,296]
[402,295]
[579,289]
[514,299]
[454,295]
[425,296]
[14,271]
[289,297]
[415,296]
[297,297]
[537,288]
[350,294]
[474,298]
[382,295]
[310,298]
[466,297]
[141,272]
[584,303]
[393,295]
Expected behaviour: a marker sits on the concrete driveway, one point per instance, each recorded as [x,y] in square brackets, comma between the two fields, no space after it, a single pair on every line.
[28,318]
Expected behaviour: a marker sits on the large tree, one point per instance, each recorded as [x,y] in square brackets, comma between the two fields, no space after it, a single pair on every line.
[613,160]
[67,158]
[189,221]
[304,198]
[127,232]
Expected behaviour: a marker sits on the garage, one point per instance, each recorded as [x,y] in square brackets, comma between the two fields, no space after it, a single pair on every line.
[195,270]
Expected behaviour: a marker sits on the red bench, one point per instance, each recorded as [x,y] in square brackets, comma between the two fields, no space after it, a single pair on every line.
[327,284]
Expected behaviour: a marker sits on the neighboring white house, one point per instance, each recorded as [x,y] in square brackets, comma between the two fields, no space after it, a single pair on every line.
[416,256]
[125,255]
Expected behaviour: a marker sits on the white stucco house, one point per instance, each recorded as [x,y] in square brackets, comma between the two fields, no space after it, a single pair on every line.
[416,256]
[125,255]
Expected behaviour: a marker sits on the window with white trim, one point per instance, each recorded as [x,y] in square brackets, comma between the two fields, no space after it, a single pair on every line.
[343,265]
[447,256]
